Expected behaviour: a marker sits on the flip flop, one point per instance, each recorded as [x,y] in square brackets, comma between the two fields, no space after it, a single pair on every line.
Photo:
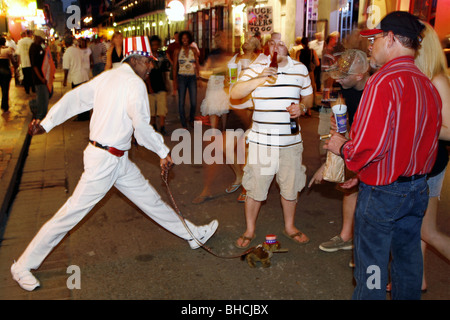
[244,238]
[242,197]
[201,199]
[233,188]
[292,237]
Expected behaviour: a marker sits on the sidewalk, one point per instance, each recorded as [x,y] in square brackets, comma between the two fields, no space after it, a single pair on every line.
[13,144]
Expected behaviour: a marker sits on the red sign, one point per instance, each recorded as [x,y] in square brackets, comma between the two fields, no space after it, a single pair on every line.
[48,69]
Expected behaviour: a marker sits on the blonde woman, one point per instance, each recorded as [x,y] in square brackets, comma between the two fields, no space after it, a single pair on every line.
[432,62]
[114,55]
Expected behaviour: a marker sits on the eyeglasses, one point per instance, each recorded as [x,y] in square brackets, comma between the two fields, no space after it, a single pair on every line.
[372,39]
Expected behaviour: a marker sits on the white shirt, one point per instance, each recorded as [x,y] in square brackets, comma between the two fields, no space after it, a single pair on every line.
[271,120]
[87,60]
[23,50]
[317,46]
[73,61]
[119,101]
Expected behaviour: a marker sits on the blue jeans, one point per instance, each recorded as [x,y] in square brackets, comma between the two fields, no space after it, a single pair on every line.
[39,105]
[387,222]
[187,83]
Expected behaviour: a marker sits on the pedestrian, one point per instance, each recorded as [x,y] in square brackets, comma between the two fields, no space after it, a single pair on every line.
[120,108]
[317,46]
[332,49]
[432,62]
[114,55]
[75,69]
[309,58]
[185,73]
[170,52]
[243,108]
[277,93]
[157,86]
[23,50]
[6,60]
[54,51]
[216,104]
[98,49]
[392,147]
[39,105]
[351,73]
[295,49]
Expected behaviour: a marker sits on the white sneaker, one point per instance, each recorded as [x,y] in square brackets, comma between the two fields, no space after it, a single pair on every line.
[24,278]
[205,232]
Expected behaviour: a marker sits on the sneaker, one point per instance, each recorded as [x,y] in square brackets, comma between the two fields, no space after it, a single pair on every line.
[206,232]
[336,243]
[24,278]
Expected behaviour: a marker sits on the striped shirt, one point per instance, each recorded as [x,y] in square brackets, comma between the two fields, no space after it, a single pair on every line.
[396,127]
[271,120]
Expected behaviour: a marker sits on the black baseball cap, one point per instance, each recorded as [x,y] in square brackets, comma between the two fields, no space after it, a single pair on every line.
[399,22]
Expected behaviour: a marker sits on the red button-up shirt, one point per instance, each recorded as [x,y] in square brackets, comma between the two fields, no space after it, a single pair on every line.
[396,128]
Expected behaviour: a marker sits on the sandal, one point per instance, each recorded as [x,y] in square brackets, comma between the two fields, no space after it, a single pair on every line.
[233,188]
[243,196]
[297,234]
[244,238]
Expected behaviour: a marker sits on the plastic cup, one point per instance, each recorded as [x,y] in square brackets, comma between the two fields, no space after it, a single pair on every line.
[233,72]
[340,114]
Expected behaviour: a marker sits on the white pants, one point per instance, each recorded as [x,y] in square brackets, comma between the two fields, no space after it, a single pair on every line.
[102,170]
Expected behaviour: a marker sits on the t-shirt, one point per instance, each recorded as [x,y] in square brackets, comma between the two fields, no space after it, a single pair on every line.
[352,98]
[23,49]
[37,54]
[157,74]
[73,60]
[271,120]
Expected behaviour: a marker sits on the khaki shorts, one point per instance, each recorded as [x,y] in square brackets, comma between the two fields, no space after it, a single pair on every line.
[285,163]
[158,104]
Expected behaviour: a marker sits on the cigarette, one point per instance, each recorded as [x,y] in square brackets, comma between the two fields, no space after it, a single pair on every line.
[325,136]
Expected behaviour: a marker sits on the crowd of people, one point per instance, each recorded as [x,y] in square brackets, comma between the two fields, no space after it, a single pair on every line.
[395,148]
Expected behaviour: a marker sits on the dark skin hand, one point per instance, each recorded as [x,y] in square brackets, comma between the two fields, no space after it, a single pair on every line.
[35,128]
[166,164]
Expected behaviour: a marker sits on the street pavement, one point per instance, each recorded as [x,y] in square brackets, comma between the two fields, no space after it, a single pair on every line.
[120,254]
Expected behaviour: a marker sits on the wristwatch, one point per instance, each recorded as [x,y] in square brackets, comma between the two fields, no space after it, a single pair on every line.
[304,108]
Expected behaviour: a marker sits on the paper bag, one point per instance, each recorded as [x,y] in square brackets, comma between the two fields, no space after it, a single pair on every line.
[334,170]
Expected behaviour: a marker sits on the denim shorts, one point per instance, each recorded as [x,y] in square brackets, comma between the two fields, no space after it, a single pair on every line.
[435,184]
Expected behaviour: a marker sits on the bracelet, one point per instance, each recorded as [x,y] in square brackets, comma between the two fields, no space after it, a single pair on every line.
[341,150]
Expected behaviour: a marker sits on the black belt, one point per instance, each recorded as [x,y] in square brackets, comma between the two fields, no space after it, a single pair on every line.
[411,178]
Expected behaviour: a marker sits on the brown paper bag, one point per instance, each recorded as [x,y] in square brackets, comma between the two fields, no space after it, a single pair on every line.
[334,170]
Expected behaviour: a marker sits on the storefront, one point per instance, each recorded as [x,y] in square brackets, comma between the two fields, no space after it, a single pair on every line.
[204,22]
[265,17]
[20,16]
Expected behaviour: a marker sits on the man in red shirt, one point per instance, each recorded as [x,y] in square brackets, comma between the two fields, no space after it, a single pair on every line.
[392,146]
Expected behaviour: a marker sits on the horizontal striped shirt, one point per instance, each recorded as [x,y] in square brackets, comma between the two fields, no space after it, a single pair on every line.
[396,127]
[271,120]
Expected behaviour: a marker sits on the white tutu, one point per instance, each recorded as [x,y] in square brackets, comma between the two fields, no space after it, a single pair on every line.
[216,100]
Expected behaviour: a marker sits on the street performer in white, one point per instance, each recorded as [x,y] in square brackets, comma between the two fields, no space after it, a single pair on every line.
[120,107]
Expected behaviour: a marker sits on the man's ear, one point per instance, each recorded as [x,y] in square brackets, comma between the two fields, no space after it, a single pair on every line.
[390,40]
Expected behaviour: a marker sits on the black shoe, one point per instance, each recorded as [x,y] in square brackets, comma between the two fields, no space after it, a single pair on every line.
[163,131]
